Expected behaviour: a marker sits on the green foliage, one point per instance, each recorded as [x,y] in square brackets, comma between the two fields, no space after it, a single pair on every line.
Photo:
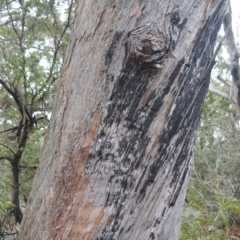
[208,217]
[33,38]
[212,206]
[5,205]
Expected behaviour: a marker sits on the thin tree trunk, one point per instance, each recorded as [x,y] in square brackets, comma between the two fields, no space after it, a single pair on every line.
[234,57]
[15,191]
[116,158]
[22,139]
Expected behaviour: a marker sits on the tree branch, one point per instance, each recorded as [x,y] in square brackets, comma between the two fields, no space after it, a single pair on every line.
[10,15]
[13,94]
[21,107]
[6,158]
[17,127]
[225,82]
[58,43]
[50,78]
[7,148]
[219,93]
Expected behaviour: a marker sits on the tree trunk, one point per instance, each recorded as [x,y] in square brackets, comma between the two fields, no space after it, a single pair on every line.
[15,191]
[22,140]
[234,57]
[116,159]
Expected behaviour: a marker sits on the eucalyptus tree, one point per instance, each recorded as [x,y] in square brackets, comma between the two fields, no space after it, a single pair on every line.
[33,37]
[116,160]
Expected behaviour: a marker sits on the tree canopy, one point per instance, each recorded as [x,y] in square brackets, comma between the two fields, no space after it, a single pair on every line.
[33,39]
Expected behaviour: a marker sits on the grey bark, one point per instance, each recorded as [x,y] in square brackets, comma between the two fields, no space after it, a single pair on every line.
[116,158]
[234,57]
[220,93]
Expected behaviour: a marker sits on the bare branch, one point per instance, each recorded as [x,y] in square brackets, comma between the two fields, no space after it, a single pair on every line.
[12,21]
[219,46]
[28,167]
[6,158]
[234,55]
[223,81]
[57,46]
[221,94]
[25,125]
[7,148]
[68,20]
[9,130]
[21,107]
[13,94]
[59,42]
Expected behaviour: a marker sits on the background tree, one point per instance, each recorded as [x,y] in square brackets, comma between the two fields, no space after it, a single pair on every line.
[33,37]
[116,159]
[212,203]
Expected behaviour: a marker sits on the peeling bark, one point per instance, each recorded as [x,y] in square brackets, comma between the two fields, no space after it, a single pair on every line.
[116,159]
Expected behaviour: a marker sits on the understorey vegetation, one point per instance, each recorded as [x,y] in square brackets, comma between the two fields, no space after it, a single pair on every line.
[213,198]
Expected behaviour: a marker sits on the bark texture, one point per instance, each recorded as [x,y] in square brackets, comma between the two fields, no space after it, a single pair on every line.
[116,159]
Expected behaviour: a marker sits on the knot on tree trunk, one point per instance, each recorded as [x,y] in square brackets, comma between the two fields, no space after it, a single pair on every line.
[148,44]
